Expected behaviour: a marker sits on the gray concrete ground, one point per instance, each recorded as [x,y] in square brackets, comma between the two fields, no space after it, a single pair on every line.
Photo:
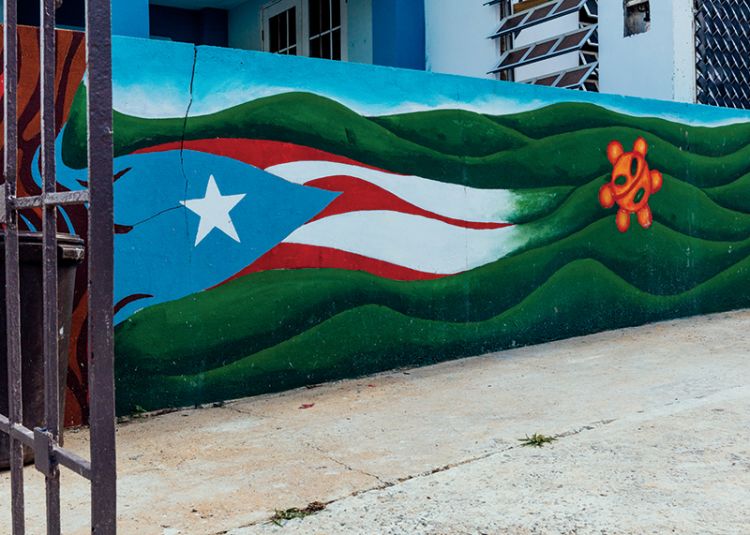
[652,427]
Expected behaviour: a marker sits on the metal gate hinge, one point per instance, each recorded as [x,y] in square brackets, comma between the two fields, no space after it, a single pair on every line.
[44,457]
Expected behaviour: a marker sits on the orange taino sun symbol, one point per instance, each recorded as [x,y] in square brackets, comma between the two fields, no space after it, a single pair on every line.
[631,185]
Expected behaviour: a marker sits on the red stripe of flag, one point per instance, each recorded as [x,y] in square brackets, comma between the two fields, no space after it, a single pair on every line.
[299,256]
[259,153]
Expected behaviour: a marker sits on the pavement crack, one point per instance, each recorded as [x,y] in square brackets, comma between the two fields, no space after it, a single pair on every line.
[450,466]
[589,427]
[427,473]
[383,483]
[497,451]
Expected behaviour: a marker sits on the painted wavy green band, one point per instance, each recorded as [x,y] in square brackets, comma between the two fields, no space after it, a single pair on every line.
[214,328]
[582,297]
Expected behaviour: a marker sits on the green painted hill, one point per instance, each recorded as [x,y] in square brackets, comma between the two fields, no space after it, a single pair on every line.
[572,116]
[499,158]
[580,298]
[455,132]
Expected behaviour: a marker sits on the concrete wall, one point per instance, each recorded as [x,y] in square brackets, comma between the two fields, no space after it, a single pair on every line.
[657,64]
[456,36]
[683,24]
[283,221]
[315,219]
[360,34]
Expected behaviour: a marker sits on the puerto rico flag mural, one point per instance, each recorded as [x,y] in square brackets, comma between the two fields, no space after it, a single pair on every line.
[354,216]
[285,221]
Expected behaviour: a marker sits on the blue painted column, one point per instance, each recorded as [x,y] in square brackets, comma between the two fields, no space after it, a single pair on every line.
[398,33]
[130,17]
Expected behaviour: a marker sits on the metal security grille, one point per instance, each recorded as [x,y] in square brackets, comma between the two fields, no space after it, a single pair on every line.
[49,455]
[523,15]
[723,52]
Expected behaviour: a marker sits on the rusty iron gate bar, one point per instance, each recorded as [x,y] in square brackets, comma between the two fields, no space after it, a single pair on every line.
[49,455]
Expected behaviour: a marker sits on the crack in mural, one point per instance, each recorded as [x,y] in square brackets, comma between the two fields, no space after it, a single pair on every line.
[182,137]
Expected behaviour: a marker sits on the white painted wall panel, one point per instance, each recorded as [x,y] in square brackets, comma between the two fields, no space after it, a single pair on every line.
[657,64]
[456,33]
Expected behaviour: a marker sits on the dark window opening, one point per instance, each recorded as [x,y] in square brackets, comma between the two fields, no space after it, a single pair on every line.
[207,26]
[71,14]
[325,29]
[637,16]
[282,32]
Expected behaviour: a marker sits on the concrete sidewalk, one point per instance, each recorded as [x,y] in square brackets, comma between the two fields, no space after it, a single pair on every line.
[653,428]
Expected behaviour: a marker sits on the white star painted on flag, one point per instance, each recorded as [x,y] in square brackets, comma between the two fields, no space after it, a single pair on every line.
[213,210]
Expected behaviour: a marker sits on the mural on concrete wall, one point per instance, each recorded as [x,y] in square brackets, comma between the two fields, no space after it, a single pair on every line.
[285,221]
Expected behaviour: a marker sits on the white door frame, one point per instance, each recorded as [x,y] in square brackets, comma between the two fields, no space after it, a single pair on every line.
[271,9]
[276,7]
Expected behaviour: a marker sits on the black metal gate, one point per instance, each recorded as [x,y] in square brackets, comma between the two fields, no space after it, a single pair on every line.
[49,455]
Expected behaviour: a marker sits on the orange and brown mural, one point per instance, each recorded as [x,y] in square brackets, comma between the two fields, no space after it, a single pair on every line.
[71,66]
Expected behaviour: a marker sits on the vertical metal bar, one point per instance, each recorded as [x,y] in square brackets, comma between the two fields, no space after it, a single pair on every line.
[101,264]
[12,276]
[49,256]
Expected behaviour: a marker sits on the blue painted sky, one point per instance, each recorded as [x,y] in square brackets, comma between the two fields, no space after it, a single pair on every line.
[153,79]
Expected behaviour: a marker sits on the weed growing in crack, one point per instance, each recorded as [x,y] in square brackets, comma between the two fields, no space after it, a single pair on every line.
[537,440]
[280,517]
